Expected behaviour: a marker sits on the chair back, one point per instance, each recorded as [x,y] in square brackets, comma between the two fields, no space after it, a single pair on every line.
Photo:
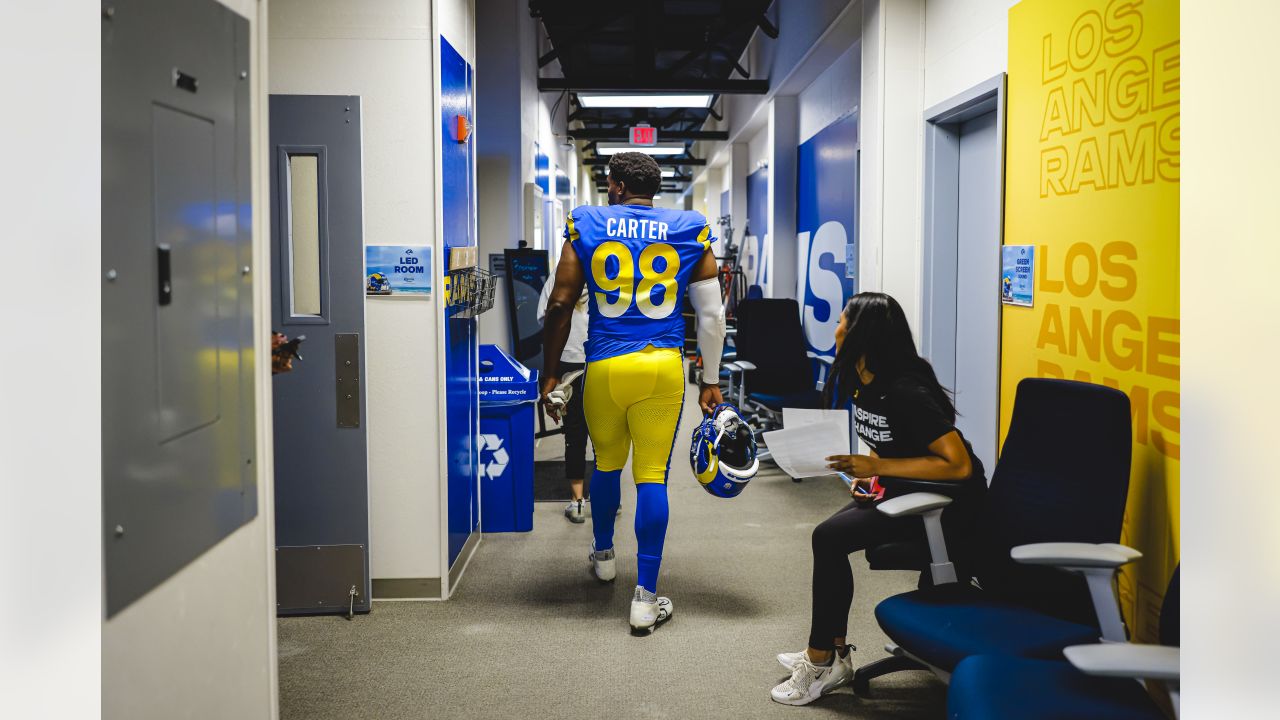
[1062,476]
[771,337]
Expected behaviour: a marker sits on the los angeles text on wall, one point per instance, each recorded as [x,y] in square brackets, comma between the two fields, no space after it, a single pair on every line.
[1092,175]
[1129,345]
[1110,114]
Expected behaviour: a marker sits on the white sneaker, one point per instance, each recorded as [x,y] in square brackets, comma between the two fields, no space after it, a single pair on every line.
[574,512]
[645,616]
[808,682]
[788,660]
[603,564]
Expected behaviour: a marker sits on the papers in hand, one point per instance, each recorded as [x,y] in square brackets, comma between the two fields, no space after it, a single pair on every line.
[802,451]
[795,417]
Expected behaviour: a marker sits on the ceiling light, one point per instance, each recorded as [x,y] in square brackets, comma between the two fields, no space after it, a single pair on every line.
[597,100]
[659,149]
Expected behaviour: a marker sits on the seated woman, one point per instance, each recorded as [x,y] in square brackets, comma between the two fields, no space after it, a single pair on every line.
[906,417]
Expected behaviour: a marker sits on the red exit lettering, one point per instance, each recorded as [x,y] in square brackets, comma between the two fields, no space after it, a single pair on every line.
[644,135]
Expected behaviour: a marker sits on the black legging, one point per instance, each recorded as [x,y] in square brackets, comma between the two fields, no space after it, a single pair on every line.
[575,428]
[858,526]
[854,527]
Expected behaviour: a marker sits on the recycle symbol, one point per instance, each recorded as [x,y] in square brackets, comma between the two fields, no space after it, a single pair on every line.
[498,464]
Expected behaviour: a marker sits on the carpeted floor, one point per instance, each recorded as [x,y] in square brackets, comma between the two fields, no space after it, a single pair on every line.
[531,634]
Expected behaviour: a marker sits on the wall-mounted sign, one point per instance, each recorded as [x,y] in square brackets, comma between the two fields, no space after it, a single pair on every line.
[826,228]
[644,135]
[398,270]
[1017,275]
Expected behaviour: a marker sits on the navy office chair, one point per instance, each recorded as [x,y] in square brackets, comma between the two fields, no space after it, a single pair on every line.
[772,368]
[1095,681]
[1062,478]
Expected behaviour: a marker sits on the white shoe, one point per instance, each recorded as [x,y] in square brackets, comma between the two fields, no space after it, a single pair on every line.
[788,660]
[647,615]
[603,564]
[575,512]
[808,682]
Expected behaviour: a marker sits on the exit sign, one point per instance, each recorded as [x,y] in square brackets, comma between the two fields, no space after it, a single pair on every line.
[644,135]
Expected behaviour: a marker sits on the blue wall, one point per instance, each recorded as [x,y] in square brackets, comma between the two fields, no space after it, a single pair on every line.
[757,271]
[460,363]
[826,222]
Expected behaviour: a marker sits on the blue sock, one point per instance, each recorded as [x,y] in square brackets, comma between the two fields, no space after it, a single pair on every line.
[651,530]
[606,495]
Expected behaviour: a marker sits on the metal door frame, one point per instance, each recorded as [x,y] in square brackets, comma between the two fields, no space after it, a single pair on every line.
[941,215]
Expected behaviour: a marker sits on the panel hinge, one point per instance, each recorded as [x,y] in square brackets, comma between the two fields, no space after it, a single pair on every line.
[351,606]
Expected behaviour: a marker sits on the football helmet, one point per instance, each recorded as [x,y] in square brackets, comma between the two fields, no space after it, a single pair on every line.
[723,454]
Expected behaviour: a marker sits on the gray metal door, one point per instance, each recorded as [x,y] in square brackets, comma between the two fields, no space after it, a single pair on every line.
[178,432]
[321,455]
[977,339]
[963,213]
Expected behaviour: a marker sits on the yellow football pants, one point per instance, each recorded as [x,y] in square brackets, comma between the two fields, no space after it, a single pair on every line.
[635,398]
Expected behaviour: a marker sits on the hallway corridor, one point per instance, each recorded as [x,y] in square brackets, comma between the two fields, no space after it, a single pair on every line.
[531,634]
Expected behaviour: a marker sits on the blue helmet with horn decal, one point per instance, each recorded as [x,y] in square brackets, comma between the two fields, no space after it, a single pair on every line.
[723,454]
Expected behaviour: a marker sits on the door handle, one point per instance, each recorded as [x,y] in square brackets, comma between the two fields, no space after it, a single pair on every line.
[164,273]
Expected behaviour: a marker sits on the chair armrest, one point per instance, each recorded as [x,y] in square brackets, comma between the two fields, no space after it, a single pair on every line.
[1126,660]
[913,504]
[1098,564]
[929,506]
[1123,549]
[745,364]
[1074,555]
[824,359]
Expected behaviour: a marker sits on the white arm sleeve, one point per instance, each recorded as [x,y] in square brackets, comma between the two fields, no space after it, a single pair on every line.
[704,295]
[545,297]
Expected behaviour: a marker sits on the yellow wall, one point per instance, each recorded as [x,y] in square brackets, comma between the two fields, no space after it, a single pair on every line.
[1092,181]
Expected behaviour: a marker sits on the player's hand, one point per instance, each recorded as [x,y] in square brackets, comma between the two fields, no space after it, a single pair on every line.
[549,383]
[709,397]
[859,466]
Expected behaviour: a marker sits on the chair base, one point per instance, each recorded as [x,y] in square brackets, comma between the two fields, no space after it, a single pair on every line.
[861,683]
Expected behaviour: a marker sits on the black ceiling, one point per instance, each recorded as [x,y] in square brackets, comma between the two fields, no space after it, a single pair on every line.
[657,46]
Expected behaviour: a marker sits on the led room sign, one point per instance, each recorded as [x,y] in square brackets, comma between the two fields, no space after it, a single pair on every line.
[644,135]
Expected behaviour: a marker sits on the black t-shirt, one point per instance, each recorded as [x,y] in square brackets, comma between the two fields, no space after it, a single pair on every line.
[900,418]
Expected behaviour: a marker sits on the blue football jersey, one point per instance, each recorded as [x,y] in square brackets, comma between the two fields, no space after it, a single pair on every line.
[638,261]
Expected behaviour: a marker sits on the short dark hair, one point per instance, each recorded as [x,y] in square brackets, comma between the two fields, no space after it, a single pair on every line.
[638,171]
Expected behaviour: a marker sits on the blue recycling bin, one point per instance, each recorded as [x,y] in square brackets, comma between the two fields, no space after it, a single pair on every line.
[508,397]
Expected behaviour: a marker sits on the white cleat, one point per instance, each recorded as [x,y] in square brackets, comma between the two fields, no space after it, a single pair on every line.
[645,616]
[603,564]
[808,682]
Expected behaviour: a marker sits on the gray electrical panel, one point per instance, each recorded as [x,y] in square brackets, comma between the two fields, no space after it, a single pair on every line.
[177,322]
